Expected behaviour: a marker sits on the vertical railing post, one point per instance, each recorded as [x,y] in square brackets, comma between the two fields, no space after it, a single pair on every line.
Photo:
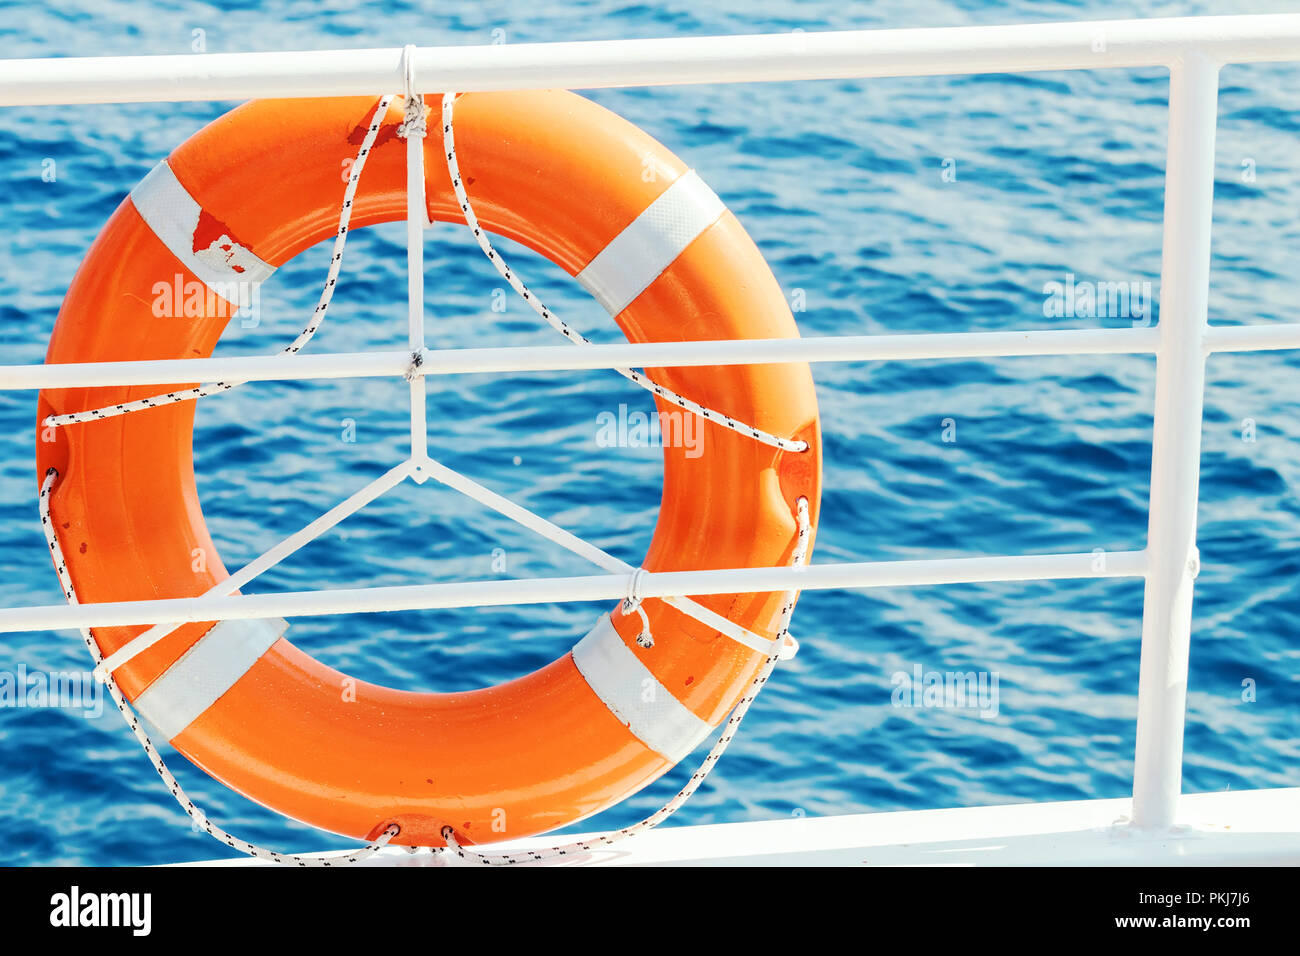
[1173,560]
[416,217]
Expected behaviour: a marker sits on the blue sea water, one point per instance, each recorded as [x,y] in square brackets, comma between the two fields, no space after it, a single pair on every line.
[849,189]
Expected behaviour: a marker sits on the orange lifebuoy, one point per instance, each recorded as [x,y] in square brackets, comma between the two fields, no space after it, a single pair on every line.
[566,178]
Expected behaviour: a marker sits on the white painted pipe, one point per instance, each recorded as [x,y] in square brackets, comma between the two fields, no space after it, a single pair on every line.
[416,220]
[849,348]
[1252,338]
[608,587]
[589,65]
[1176,443]
[252,368]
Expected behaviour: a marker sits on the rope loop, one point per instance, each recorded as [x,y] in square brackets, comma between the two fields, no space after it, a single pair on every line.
[632,604]
[413,370]
[413,122]
[633,599]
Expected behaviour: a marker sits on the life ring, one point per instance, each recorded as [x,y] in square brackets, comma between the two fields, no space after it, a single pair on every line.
[565,177]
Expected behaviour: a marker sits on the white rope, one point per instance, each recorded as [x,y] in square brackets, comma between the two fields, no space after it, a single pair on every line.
[413,123]
[317,317]
[729,730]
[632,604]
[199,818]
[453,167]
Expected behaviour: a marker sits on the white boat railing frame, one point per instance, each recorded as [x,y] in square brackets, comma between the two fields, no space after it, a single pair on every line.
[1192,49]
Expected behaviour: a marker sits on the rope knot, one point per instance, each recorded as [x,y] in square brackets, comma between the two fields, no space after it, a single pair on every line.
[632,604]
[413,122]
[413,370]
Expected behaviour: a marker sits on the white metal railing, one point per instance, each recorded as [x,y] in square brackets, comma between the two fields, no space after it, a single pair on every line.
[592,65]
[1192,49]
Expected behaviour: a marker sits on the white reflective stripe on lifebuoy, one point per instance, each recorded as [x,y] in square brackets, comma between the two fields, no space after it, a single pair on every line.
[634,695]
[206,671]
[651,242]
[220,262]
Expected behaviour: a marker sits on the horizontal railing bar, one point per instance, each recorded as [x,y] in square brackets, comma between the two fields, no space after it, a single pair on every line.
[612,63]
[592,64]
[169,372]
[607,587]
[850,348]
[1252,338]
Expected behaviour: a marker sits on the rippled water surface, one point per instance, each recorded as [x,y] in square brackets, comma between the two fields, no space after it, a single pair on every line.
[904,205]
